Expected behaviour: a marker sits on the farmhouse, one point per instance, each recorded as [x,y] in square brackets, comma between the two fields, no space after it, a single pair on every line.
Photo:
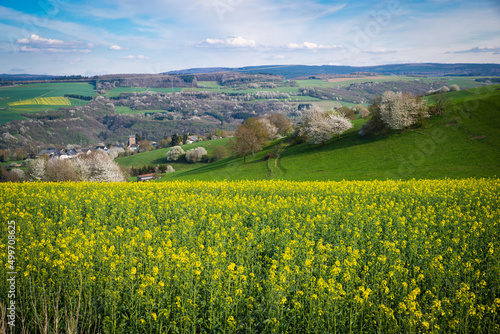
[146,177]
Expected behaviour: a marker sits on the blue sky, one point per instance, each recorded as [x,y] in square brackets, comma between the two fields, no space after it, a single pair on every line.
[90,37]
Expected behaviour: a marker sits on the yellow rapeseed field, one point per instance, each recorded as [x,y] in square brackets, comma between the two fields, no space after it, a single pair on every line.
[51,101]
[255,257]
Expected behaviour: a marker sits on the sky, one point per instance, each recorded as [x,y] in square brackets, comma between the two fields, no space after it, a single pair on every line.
[90,37]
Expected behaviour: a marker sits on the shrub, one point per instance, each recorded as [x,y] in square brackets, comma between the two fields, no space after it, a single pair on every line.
[15,175]
[401,110]
[195,154]
[454,88]
[174,153]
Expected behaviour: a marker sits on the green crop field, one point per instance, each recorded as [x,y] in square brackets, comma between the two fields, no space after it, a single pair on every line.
[9,94]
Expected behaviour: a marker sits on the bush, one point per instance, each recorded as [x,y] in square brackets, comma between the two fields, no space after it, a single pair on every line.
[195,154]
[401,110]
[175,153]
[15,175]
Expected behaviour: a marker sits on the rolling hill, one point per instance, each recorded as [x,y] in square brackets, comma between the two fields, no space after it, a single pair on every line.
[293,71]
[464,142]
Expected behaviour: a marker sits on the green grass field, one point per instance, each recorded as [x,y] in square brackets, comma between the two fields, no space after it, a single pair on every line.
[468,82]
[158,157]
[464,142]
[117,91]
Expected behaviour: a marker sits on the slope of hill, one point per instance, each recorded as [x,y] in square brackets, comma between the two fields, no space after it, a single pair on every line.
[293,71]
[464,142]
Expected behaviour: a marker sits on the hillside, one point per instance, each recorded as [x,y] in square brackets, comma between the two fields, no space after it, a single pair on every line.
[293,71]
[464,142]
[107,110]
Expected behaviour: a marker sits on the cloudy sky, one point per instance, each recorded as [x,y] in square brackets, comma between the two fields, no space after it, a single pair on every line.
[90,37]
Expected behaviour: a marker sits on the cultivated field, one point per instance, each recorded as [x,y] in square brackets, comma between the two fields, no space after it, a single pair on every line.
[33,98]
[50,101]
[255,257]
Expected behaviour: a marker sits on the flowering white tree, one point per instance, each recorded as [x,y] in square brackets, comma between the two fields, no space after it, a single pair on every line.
[320,126]
[272,131]
[174,153]
[401,110]
[36,169]
[101,168]
[195,154]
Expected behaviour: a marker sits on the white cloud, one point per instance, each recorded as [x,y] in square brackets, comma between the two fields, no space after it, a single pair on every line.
[135,57]
[236,42]
[311,46]
[36,43]
[480,49]
[379,51]
[115,47]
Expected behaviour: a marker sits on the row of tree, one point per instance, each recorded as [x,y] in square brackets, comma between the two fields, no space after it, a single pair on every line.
[97,166]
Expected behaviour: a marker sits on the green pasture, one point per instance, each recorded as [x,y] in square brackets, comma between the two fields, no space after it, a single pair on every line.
[117,91]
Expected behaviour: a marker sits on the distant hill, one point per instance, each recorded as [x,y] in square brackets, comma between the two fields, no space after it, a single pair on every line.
[26,77]
[293,71]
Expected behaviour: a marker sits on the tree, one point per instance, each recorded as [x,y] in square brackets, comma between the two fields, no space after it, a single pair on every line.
[176,140]
[282,123]
[195,154]
[362,110]
[138,137]
[101,168]
[145,145]
[219,153]
[401,110]
[249,138]
[441,103]
[320,126]
[36,169]
[347,112]
[61,170]
[165,142]
[246,142]
[272,131]
[174,153]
